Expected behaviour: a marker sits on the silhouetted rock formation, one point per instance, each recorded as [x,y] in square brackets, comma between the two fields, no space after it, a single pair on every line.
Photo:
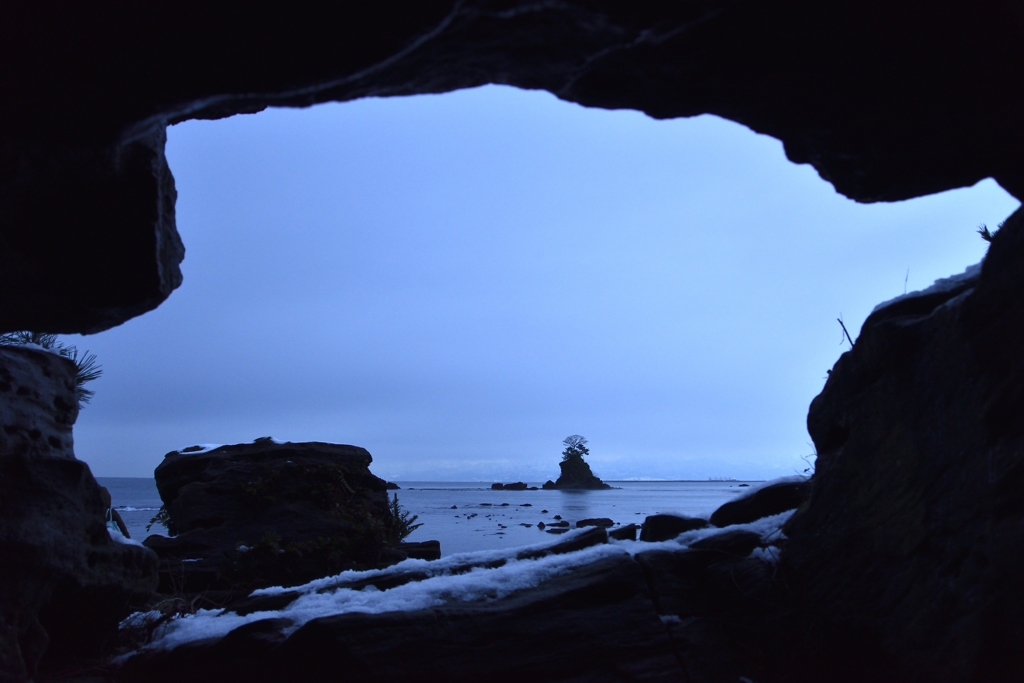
[264,513]
[577,475]
[912,541]
[64,583]
[576,472]
[515,486]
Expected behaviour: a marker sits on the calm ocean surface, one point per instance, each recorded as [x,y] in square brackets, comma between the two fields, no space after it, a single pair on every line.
[481,518]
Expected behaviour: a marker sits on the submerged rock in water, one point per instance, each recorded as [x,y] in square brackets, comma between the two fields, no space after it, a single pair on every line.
[666,527]
[768,500]
[515,486]
[268,513]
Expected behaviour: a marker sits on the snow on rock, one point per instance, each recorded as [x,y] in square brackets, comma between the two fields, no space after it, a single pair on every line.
[769,528]
[317,600]
[198,449]
[116,535]
[945,284]
[496,574]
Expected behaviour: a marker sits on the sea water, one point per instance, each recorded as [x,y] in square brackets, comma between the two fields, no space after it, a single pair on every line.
[471,516]
[137,501]
[467,516]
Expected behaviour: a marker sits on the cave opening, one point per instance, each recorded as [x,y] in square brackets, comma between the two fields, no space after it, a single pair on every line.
[454,280]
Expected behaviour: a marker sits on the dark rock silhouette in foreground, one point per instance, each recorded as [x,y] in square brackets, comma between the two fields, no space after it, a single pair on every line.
[664,527]
[768,500]
[912,541]
[65,584]
[660,615]
[267,513]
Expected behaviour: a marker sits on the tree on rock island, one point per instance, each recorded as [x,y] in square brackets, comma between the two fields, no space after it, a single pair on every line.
[576,472]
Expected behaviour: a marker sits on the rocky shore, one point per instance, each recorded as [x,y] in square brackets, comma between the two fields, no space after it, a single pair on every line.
[582,608]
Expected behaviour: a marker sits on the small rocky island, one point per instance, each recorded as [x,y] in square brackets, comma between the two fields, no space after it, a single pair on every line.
[576,472]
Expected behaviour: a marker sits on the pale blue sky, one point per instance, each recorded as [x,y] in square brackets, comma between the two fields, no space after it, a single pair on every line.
[457,282]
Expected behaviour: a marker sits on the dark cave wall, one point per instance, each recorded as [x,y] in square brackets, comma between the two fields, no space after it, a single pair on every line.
[87,234]
[911,543]
[887,100]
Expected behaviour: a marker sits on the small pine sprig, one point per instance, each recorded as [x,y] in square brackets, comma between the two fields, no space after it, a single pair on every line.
[987,234]
[401,523]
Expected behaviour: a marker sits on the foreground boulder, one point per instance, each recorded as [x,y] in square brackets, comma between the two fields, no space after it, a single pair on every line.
[665,527]
[592,624]
[422,550]
[64,583]
[268,513]
[765,501]
[604,522]
[597,615]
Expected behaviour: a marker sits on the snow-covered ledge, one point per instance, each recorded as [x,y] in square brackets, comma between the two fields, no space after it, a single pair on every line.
[945,284]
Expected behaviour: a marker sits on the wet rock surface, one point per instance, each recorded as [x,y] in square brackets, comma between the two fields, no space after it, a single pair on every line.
[64,583]
[624,533]
[422,550]
[665,527]
[252,515]
[768,500]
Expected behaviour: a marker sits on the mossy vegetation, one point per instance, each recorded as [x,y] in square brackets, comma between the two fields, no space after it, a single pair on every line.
[401,524]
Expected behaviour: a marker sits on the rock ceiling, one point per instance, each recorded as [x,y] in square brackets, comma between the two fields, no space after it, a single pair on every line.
[887,100]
